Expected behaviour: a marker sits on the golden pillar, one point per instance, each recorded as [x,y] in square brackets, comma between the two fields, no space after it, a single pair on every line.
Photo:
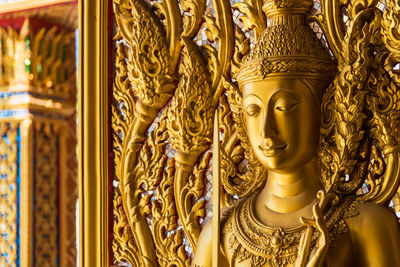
[38,167]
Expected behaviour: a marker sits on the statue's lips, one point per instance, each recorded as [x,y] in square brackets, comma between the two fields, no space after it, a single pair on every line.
[272,150]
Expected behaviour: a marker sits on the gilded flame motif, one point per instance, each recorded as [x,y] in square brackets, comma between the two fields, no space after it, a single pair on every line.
[335,115]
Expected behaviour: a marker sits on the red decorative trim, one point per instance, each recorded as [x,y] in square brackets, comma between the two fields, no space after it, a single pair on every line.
[16,19]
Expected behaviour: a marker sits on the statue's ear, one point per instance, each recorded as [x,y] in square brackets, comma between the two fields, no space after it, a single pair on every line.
[235,99]
[255,175]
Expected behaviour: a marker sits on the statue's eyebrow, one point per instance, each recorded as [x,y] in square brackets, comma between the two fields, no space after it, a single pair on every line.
[252,95]
[284,93]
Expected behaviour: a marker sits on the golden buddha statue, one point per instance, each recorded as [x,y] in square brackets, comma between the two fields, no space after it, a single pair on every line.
[309,152]
[296,218]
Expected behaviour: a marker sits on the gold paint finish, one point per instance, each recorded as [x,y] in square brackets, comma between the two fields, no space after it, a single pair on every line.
[93,165]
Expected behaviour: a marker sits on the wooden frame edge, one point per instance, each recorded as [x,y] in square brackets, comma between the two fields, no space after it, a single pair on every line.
[93,131]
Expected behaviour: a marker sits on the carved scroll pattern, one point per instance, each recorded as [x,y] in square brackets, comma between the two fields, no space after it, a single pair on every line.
[173,187]
[169,81]
[359,136]
[8,193]
[391,37]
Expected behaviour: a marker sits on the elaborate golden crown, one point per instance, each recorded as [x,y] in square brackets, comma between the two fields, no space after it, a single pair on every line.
[287,47]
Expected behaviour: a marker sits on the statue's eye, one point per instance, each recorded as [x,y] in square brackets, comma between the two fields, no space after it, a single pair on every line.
[253,110]
[285,104]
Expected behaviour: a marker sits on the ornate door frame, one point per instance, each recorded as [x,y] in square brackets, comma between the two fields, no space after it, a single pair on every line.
[93,136]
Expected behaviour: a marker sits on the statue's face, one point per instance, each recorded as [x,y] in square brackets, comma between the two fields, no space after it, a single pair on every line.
[282,119]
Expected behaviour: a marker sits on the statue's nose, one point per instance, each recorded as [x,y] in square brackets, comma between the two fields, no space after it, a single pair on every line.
[268,127]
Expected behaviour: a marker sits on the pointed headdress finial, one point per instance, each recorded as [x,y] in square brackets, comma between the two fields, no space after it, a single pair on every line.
[287,47]
[278,8]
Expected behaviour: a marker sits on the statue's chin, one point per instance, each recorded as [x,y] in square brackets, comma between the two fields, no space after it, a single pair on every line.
[273,162]
[282,163]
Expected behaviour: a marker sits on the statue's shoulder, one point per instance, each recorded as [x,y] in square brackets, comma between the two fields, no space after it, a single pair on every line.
[372,216]
[375,234]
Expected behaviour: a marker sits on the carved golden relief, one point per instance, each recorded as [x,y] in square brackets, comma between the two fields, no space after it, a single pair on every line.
[167,87]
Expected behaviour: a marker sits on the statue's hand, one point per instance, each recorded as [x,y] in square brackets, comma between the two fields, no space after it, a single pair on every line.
[317,257]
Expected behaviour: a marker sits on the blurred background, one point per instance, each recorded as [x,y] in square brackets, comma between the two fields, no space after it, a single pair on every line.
[38,141]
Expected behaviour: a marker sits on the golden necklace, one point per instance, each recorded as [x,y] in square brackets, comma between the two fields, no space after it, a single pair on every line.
[251,240]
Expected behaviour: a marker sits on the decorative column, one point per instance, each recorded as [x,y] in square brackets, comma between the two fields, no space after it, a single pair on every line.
[38,167]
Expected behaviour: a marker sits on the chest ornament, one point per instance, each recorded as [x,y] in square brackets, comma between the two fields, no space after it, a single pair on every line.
[251,240]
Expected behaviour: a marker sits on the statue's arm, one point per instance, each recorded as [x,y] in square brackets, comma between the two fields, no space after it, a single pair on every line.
[376,237]
[203,254]
[202,257]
